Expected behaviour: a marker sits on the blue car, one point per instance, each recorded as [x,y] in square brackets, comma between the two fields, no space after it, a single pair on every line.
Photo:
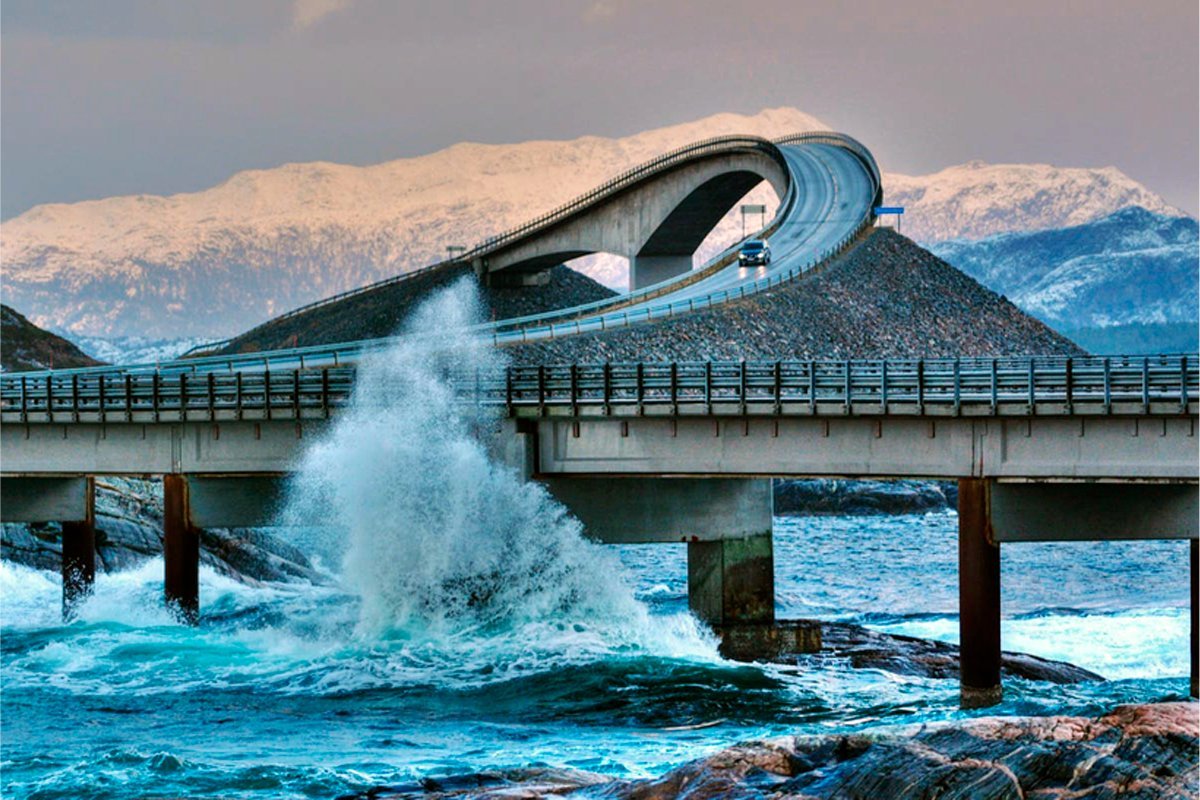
[754,252]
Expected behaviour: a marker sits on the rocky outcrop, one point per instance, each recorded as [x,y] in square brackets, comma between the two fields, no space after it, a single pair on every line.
[129,532]
[25,346]
[820,496]
[907,655]
[1146,751]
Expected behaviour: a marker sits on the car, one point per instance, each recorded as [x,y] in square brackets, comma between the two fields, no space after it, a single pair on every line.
[754,252]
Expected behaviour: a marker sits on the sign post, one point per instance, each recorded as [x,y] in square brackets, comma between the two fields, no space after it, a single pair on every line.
[761,210]
[897,210]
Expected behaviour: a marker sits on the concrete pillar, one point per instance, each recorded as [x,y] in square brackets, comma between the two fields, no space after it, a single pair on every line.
[79,556]
[181,551]
[732,581]
[648,270]
[978,597]
[1195,633]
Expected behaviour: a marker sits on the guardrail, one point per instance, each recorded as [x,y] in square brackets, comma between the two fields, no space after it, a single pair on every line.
[1163,385]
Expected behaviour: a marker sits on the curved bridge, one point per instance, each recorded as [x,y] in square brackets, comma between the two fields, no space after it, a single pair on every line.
[656,214]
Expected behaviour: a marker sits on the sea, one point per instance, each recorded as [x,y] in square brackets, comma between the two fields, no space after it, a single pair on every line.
[468,624]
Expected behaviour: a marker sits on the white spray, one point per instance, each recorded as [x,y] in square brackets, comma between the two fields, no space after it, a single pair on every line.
[434,537]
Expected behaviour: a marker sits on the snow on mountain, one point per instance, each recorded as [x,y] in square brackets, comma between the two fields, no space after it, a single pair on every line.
[975,200]
[1132,267]
[216,262]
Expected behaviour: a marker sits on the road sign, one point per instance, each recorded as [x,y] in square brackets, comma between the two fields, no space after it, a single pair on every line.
[889,210]
[754,209]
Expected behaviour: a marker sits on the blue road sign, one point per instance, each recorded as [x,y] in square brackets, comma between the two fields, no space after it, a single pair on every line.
[889,210]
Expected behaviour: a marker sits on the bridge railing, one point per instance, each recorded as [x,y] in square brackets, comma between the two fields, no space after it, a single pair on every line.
[1012,385]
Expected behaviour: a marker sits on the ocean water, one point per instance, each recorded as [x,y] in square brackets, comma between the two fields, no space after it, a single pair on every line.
[468,624]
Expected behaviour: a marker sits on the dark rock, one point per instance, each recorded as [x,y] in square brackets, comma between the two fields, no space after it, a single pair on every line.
[908,655]
[827,496]
[1146,751]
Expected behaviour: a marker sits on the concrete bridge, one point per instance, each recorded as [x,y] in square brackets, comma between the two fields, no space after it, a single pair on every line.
[1044,448]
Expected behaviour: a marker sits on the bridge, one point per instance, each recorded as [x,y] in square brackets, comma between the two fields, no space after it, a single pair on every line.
[1044,448]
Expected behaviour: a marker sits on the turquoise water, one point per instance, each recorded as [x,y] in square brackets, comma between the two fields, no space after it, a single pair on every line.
[281,692]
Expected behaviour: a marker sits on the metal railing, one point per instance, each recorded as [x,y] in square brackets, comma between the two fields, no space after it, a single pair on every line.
[999,386]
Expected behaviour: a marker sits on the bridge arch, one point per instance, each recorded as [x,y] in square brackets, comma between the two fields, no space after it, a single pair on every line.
[657,222]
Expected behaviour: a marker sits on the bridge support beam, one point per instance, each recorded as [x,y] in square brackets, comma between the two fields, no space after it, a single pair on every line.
[181,551]
[1195,603]
[648,270]
[79,556]
[978,597]
[70,501]
[731,582]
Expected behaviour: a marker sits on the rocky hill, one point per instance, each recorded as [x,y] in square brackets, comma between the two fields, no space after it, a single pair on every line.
[1132,267]
[884,297]
[219,261]
[379,313]
[25,346]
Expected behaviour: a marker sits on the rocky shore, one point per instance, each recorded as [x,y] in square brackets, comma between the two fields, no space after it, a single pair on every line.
[129,532]
[1148,752]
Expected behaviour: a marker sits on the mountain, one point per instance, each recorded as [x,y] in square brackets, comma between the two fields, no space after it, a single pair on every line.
[976,200]
[1132,268]
[216,262]
[25,346]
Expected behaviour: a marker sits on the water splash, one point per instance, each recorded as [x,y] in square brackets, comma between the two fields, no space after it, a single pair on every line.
[436,538]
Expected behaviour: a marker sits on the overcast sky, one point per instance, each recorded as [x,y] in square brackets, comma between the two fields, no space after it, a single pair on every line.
[130,96]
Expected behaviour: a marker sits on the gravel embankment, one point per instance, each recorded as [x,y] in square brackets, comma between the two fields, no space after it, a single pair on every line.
[379,313]
[884,297]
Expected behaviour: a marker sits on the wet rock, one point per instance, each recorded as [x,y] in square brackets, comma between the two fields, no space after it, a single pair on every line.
[826,496]
[1144,751]
[908,655]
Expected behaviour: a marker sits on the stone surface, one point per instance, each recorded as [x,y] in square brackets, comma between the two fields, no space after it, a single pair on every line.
[1146,751]
[821,496]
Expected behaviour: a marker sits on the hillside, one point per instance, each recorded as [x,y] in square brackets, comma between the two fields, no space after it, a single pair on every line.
[884,297]
[219,261]
[24,346]
[379,313]
[1135,267]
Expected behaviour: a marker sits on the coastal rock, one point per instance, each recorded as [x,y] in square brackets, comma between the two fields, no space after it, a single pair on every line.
[908,655]
[1143,751]
[820,496]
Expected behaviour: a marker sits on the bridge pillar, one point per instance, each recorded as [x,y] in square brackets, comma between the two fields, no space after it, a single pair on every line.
[181,551]
[648,270]
[731,582]
[978,597]
[79,556]
[1195,603]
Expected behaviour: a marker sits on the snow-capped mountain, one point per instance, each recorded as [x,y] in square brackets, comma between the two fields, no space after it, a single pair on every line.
[216,262]
[1132,267]
[974,200]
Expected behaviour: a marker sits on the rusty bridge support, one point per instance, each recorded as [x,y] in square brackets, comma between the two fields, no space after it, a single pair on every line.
[978,596]
[181,551]
[79,555]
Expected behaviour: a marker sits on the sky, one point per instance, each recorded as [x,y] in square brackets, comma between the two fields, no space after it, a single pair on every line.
[141,96]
